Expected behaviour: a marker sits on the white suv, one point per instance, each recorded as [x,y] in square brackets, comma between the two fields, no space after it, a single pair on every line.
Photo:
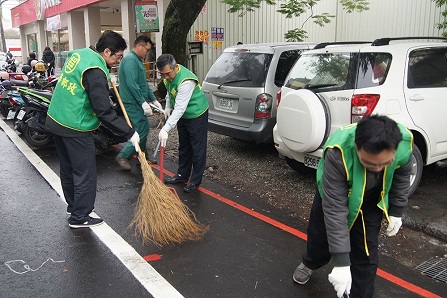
[332,86]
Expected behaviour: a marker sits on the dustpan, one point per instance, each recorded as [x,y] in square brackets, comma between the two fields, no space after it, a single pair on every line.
[162,167]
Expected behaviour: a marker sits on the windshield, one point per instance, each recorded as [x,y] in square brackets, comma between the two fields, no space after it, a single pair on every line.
[239,69]
[325,71]
[339,71]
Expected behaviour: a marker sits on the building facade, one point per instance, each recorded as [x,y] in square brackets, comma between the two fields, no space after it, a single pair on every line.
[64,25]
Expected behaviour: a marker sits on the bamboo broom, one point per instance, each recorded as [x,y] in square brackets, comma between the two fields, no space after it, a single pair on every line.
[160,216]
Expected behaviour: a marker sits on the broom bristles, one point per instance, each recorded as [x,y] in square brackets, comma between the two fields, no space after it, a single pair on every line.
[160,216]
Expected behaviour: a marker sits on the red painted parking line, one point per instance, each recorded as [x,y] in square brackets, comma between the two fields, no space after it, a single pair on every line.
[406,285]
[385,275]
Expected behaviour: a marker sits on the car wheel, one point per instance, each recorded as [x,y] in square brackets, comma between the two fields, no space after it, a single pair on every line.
[416,174]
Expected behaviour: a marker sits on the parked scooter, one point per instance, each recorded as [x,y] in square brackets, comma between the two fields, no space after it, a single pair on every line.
[31,120]
[10,100]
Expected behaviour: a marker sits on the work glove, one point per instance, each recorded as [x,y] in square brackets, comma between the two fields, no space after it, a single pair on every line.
[157,104]
[341,279]
[135,140]
[146,108]
[168,112]
[163,137]
[394,226]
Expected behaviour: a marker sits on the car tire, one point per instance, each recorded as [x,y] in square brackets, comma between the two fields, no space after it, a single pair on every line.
[418,165]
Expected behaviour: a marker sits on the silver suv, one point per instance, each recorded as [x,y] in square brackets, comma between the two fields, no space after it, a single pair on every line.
[332,86]
[241,87]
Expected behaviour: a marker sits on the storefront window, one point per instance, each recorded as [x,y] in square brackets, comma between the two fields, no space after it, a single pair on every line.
[59,40]
[32,42]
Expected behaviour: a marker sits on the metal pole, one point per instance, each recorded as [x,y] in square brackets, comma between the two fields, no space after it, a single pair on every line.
[2,32]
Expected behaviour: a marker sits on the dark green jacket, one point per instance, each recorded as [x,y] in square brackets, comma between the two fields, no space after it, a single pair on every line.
[132,77]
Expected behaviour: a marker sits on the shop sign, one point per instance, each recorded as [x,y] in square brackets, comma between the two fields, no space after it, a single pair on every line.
[39,6]
[217,33]
[54,23]
[146,16]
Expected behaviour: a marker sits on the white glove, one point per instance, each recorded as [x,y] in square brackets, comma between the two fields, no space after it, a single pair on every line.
[393,226]
[146,108]
[341,279]
[157,104]
[163,137]
[135,140]
[167,113]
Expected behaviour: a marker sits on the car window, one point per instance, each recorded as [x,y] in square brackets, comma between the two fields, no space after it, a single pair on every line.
[427,68]
[286,61]
[241,69]
[323,72]
[373,69]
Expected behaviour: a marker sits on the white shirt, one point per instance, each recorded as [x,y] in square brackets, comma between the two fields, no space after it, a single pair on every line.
[184,94]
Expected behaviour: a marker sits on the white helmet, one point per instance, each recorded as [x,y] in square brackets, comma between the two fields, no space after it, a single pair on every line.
[33,62]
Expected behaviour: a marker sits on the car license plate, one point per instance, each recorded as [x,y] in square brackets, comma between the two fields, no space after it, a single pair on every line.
[311,161]
[21,114]
[226,104]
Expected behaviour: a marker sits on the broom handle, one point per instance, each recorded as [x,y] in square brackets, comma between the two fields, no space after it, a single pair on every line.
[162,161]
[121,104]
[123,109]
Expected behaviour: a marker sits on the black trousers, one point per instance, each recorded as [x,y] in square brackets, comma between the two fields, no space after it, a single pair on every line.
[363,267]
[78,174]
[193,138]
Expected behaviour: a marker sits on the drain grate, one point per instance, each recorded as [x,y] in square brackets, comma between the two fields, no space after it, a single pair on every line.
[435,268]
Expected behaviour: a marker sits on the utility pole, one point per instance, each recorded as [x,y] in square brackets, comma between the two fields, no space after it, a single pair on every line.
[2,32]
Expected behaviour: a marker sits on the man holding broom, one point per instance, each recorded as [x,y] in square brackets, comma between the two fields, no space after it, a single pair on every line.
[189,106]
[79,103]
[134,91]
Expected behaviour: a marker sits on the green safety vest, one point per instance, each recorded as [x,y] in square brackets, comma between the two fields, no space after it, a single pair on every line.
[70,105]
[356,172]
[198,103]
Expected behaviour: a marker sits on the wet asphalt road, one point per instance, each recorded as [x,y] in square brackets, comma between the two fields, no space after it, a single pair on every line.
[251,249]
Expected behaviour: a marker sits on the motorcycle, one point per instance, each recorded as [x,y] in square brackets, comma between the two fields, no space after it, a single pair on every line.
[31,120]
[10,100]
[11,65]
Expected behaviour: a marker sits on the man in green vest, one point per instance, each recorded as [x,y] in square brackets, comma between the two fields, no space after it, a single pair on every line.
[134,91]
[364,173]
[79,104]
[189,106]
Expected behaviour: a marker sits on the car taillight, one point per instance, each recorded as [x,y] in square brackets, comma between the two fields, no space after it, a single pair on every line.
[263,107]
[278,97]
[363,105]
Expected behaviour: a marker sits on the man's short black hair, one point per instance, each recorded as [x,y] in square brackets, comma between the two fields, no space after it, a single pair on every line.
[143,39]
[377,133]
[111,40]
[166,59]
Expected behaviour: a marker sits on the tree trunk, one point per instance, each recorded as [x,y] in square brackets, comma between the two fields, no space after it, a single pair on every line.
[180,16]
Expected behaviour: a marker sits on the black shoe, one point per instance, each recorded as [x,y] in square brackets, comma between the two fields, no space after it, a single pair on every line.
[90,222]
[175,179]
[190,188]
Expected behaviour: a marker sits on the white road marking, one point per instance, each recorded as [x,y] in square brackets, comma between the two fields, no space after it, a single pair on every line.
[149,278]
